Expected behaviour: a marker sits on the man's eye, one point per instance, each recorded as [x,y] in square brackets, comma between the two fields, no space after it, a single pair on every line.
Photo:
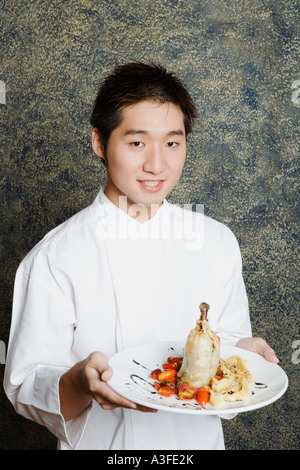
[137,144]
[172,144]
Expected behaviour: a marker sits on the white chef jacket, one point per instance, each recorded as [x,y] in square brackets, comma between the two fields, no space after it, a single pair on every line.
[101,281]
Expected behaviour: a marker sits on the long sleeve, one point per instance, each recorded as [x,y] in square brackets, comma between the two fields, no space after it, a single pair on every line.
[222,285]
[233,319]
[39,348]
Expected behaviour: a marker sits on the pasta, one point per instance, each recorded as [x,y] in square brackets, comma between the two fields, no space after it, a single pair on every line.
[234,384]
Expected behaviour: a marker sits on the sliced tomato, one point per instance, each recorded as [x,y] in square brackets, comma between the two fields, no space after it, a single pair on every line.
[186,391]
[202,396]
[157,385]
[169,383]
[155,373]
[218,376]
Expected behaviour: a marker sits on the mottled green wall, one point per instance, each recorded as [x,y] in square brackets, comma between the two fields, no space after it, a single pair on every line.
[240,61]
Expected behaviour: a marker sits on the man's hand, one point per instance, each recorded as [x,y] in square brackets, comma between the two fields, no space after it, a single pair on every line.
[86,380]
[259,346]
[95,372]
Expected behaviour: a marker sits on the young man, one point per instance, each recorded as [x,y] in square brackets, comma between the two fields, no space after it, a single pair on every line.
[128,270]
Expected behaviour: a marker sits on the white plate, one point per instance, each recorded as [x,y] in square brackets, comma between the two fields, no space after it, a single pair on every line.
[132,369]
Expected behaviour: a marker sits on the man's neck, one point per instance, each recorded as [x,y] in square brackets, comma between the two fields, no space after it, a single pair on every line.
[139,212]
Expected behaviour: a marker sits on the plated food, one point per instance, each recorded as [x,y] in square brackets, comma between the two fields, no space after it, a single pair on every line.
[201,374]
[241,381]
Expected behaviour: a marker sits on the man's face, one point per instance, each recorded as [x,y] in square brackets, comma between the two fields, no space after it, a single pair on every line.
[145,153]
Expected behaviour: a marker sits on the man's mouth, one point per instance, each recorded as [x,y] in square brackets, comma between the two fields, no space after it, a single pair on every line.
[151,185]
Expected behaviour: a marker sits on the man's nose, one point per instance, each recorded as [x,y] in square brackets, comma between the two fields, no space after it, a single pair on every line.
[154,160]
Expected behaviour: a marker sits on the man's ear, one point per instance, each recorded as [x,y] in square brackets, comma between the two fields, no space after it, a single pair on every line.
[97,144]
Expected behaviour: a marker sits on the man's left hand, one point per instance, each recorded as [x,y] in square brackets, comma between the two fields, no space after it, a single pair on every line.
[260,346]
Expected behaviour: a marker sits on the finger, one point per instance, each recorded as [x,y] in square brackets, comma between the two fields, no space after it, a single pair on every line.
[269,354]
[98,361]
[266,351]
[105,395]
[109,400]
[106,374]
[145,409]
[129,405]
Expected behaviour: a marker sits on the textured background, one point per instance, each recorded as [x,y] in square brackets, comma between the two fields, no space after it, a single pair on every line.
[240,62]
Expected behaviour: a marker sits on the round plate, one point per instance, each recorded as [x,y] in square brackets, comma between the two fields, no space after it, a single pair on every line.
[131,379]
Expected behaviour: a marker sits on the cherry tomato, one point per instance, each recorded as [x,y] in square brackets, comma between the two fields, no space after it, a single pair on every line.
[155,373]
[169,383]
[202,396]
[186,391]
[166,391]
[167,374]
[218,376]
[170,380]
[176,360]
[170,365]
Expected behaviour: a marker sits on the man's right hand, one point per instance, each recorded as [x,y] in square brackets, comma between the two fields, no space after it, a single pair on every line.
[86,380]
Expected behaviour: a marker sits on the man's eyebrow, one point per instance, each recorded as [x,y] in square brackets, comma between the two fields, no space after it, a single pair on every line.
[135,131]
[176,132]
[142,131]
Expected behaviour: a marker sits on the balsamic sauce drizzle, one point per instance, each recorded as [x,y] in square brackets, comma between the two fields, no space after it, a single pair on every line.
[136,379]
[260,385]
[138,364]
